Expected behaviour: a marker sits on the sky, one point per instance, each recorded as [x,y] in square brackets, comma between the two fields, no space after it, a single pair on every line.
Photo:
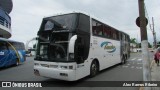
[27,15]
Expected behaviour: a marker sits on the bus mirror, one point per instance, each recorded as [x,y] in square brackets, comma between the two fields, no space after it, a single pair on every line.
[72,44]
[37,38]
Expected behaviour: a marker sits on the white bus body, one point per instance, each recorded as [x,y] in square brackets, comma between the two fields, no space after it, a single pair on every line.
[104,51]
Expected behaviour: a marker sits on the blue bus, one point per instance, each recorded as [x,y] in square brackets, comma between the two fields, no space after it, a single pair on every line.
[11,52]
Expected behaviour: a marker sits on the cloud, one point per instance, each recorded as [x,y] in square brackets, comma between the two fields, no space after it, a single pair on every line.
[121,14]
[27,16]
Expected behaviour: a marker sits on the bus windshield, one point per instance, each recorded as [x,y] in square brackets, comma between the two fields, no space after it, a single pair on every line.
[56,23]
[55,49]
[54,36]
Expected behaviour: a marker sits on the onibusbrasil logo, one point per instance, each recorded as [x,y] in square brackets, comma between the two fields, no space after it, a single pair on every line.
[108,46]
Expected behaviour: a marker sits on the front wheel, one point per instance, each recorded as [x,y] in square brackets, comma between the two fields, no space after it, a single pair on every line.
[17,62]
[93,69]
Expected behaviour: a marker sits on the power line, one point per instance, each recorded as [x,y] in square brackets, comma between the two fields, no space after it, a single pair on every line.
[148,17]
[151,27]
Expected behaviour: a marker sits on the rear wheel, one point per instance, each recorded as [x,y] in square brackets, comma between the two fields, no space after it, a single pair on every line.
[93,68]
[123,60]
[126,56]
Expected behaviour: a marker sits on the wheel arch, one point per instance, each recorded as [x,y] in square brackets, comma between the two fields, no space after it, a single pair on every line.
[97,63]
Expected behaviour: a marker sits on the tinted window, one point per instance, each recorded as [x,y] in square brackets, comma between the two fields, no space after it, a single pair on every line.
[84,23]
[16,45]
[97,28]
[2,45]
[67,20]
[115,35]
[102,30]
[107,31]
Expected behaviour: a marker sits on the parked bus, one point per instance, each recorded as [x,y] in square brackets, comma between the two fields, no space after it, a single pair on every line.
[72,46]
[11,52]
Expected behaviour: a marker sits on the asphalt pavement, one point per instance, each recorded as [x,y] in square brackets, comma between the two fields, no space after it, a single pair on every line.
[155,73]
[131,71]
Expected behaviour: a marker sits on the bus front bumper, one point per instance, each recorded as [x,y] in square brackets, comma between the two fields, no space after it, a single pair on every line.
[56,73]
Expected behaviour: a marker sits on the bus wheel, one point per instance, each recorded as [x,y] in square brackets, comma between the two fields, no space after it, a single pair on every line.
[17,62]
[123,61]
[93,68]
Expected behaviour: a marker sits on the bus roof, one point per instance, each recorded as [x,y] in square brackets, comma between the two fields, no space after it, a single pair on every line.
[66,14]
[4,39]
[86,15]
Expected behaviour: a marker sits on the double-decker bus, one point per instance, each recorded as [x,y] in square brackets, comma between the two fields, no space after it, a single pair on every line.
[11,52]
[72,46]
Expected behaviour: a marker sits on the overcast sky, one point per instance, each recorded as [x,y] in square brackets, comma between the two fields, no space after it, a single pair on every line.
[120,14]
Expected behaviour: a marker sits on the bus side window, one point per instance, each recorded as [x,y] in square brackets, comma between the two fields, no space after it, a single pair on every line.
[3,46]
[97,28]
[107,31]
[111,34]
[117,33]
[105,34]
[114,35]
[9,46]
[94,27]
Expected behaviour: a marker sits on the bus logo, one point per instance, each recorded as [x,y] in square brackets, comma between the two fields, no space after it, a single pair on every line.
[109,47]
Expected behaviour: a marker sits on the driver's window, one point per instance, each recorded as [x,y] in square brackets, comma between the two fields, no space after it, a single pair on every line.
[43,50]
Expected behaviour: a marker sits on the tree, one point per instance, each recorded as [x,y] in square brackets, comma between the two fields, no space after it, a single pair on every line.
[133,40]
[139,45]
[34,46]
[133,43]
[158,44]
[149,45]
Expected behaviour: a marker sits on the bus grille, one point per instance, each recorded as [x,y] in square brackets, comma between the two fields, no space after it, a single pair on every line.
[49,66]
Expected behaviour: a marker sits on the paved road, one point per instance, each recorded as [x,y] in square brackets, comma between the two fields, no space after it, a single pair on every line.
[131,71]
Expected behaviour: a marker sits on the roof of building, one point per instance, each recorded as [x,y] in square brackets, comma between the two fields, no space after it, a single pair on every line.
[7,5]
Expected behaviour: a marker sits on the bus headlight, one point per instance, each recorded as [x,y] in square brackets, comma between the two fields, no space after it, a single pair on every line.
[70,67]
[71,56]
[64,67]
[36,64]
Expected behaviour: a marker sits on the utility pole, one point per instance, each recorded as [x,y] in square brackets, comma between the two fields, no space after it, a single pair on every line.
[144,43]
[154,34]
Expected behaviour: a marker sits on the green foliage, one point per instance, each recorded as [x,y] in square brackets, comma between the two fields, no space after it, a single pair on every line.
[139,45]
[133,40]
[158,44]
[149,45]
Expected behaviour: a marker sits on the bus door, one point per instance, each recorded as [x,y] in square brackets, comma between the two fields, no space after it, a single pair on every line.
[123,45]
[80,57]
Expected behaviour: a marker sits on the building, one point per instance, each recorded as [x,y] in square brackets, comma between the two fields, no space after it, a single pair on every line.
[5,20]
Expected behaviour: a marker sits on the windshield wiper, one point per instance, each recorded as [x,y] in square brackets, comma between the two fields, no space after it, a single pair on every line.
[61,41]
[59,31]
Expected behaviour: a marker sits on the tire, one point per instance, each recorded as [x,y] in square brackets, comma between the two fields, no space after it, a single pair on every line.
[126,57]
[123,60]
[17,63]
[94,68]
